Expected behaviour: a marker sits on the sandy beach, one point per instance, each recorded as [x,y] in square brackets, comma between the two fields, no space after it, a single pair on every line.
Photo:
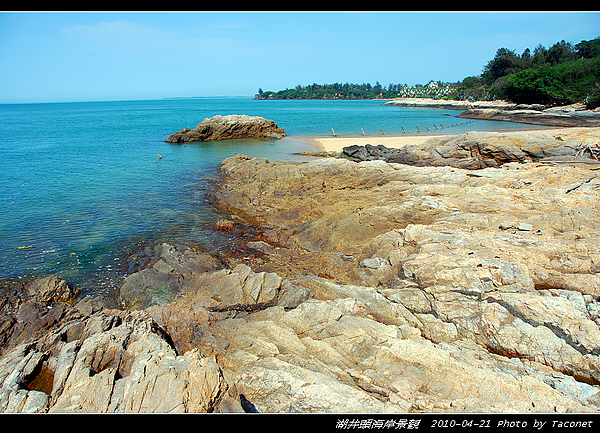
[336,144]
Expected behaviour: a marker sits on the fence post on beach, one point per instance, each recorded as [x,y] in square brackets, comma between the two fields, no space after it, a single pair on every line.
[403,129]
[333,132]
[427,128]
[418,129]
[363,131]
[382,131]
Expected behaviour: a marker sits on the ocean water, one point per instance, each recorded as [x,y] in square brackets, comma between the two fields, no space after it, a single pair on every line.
[82,186]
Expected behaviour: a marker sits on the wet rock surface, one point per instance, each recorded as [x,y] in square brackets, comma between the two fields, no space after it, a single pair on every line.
[368,287]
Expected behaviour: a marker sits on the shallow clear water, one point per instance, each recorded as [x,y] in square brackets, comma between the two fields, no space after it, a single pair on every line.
[82,186]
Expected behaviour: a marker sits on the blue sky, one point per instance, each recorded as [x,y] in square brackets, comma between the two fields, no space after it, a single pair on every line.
[93,56]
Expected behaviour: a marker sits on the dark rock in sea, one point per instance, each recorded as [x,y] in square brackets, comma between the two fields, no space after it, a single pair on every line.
[28,311]
[51,289]
[229,127]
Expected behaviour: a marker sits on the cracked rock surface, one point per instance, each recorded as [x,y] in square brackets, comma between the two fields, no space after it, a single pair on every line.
[500,263]
[368,287]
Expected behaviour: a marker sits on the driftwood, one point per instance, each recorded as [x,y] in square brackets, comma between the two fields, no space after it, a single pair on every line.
[594,150]
[582,183]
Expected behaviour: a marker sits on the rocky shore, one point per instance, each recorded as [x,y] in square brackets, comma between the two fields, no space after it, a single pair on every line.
[535,114]
[227,128]
[371,287]
[476,150]
[449,104]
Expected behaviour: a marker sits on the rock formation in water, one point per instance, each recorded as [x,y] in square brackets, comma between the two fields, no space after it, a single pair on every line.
[227,128]
[370,287]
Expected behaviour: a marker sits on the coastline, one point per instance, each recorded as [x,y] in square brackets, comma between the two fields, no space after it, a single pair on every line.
[448,104]
[336,144]
[360,289]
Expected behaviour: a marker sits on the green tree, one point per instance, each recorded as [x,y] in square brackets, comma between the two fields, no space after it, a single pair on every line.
[560,52]
[526,59]
[588,49]
[539,56]
[505,62]
[566,83]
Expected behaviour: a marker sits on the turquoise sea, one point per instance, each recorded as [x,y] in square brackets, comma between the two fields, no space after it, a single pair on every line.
[82,186]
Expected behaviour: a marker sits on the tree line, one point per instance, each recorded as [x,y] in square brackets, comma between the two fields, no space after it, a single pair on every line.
[559,75]
[334,91]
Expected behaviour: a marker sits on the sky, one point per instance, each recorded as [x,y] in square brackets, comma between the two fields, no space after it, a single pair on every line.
[98,56]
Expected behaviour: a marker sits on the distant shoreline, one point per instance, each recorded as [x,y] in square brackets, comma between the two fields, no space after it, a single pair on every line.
[451,103]
[203,97]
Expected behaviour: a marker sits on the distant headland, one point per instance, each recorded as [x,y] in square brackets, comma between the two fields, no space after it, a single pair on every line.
[563,74]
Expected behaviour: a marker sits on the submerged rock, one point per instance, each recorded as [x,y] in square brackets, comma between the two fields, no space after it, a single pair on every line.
[169,272]
[227,128]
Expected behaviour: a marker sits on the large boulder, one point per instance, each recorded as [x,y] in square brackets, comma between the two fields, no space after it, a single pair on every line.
[227,128]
